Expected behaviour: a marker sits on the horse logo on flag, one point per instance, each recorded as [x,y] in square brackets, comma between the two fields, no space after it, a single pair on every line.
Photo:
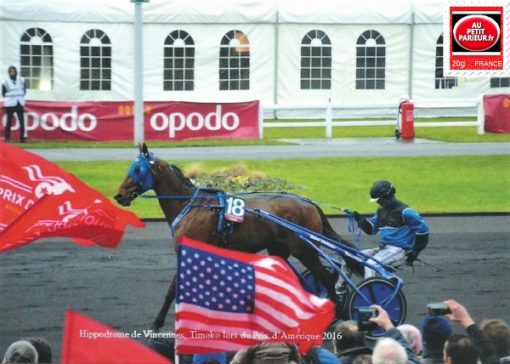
[69,212]
[48,185]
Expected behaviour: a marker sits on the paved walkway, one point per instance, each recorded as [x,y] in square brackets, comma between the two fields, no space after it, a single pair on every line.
[303,148]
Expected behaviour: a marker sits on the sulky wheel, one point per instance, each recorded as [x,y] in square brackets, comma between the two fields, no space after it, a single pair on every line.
[377,291]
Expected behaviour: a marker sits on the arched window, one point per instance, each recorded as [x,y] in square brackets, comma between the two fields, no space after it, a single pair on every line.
[36,55]
[441,81]
[95,61]
[500,82]
[370,61]
[179,62]
[234,66]
[316,61]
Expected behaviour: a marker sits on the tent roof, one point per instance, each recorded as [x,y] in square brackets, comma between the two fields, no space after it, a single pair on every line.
[345,11]
[429,11]
[231,11]
[157,11]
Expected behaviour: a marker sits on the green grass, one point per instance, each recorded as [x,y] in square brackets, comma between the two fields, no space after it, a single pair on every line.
[431,185]
[449,134]
[458,134]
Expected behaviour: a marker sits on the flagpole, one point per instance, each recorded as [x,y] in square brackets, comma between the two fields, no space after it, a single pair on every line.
[138,76]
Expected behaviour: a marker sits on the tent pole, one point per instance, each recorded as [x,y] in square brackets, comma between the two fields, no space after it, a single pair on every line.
[138,76]
[275,75]
[411,59]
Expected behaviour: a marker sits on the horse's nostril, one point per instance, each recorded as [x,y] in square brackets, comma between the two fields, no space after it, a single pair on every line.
[134,195]
[117,197]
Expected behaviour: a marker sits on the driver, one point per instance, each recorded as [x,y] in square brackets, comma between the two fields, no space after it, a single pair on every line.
[403,232]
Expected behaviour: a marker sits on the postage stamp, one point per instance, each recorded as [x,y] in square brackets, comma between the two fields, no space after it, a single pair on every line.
[477,38]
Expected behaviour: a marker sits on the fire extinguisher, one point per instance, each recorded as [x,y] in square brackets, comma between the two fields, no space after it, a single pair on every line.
[405,120]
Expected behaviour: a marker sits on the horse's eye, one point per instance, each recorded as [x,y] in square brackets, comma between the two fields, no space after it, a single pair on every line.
[137,169]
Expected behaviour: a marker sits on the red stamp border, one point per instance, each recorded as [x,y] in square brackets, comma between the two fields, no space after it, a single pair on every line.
[476,63]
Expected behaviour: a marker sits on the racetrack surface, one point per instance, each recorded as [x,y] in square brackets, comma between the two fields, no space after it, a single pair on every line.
[304,148]
[124,288]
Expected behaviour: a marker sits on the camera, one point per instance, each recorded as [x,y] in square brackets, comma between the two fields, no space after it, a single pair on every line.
[438,309]
[364,314]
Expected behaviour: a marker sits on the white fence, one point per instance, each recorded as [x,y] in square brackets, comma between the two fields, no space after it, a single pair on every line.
[328,122]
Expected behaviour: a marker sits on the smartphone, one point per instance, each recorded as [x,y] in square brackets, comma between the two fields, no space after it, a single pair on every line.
[438,309]
[364,314]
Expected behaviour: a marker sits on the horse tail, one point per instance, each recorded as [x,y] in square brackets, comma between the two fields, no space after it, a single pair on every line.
[329,232]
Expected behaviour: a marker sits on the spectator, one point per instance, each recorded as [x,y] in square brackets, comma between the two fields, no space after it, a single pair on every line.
[350,342]
[13,91]
[481,342]
[363,359]
[389,351]
[319,355]
[435,331]
[43,348]
[413,336]
[383,320]
[404,233]
[498,332]
[265,353]
[216,358]
[21,351]
[460,349]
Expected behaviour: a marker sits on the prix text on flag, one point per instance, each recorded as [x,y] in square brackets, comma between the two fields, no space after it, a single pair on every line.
[39,199]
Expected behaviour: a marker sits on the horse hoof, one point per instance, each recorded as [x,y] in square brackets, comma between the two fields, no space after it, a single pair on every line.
[155,327]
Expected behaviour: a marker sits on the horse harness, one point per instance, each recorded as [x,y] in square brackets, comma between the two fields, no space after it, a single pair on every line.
[230,208]
[226,222]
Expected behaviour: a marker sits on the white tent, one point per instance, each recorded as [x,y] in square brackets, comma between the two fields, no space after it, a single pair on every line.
[275,31]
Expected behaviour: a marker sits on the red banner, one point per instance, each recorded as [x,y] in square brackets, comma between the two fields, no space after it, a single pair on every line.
[113,121]
[497,113]
[87,341]
[39,199]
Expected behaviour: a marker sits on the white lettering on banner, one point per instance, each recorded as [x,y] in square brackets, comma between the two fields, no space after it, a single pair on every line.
[15,198]
[49,121]
[194,121]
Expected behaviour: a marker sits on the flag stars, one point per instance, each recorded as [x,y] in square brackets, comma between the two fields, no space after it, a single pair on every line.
[215,283]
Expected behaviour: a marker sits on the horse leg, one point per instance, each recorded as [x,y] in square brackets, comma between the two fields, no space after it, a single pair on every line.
[169,298]
[279,250]
[311,261]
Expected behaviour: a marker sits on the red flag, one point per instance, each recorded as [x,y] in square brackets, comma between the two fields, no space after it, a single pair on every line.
[227,301]
[39,199]
[86,341]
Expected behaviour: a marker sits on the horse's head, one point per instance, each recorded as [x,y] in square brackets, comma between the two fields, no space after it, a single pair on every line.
[139,178]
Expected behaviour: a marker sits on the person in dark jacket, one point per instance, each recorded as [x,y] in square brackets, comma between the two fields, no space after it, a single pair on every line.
[435,331]
[404,233]
[349,342]
[459,313]
[383,320]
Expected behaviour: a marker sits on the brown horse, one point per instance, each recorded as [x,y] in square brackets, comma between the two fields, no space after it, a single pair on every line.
[200,221]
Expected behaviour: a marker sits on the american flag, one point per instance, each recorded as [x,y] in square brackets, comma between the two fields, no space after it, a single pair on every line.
[227,301]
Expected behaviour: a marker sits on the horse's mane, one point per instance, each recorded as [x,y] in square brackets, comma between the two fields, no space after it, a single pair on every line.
[178,173]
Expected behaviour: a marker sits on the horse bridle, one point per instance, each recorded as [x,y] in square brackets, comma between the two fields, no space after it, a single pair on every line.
[141,172]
